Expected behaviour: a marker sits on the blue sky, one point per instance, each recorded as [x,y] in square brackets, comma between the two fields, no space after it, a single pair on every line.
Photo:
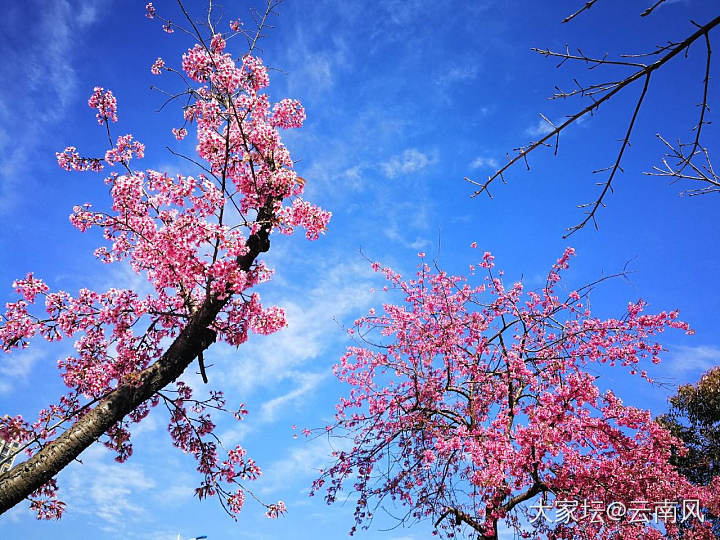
[404,98]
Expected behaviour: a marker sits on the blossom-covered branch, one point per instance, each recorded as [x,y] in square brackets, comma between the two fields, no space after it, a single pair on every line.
[197,241]
[479,399]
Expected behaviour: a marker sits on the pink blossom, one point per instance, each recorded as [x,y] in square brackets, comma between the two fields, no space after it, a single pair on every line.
[150,10]
[105,103]
[196,63]
[124,149]
[70,160]
[30,287]
[254,73]
[217,44]
[288,113]
[157,66]
[276,510]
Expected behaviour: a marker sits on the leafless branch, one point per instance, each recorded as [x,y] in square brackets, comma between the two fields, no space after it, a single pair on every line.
[649,10]
[676,161]
[587,6]
[615,167]
[601,93]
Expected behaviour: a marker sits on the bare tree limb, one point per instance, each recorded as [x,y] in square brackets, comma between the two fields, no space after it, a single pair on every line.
[608,184]
[601,93]
[587,6]
[650,9]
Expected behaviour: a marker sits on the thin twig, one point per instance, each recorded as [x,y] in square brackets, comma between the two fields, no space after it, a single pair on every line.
[616,165]
[649,10]
[587,6]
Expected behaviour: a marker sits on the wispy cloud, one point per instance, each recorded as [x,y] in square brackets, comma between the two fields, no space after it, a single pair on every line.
[43,73]
[342,290]
[16,369]
[409,161]
[481,162]
[306,382]
[542,127]
[311,62]
[302,463]
[458,73]
[682,360]
[106,489]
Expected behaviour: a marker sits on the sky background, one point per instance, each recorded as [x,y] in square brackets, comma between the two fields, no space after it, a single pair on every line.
[404,98]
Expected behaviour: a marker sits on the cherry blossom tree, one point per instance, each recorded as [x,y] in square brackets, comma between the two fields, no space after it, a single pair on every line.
[473,403]
[197,240]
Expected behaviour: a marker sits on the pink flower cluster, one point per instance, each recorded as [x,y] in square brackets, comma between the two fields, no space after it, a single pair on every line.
[157,66]
[289,113]
[217,43]
[303,214]
[196,63]
[124,149]
[105,103]
[276,510]
[29,287]
[70,160]
[254,74]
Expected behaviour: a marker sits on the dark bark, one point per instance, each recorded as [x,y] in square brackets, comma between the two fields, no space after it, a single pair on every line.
[24,478]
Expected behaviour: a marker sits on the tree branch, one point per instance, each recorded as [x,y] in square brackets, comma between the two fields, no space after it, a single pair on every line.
[609,89]
[25,478]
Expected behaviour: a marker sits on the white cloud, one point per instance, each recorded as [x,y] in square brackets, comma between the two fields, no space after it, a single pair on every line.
[406,219]
[107,489]
[47,76]
[682,359]
[311,62]
[410,161]
[307,383]
[458,73]
[16,368]
[484,163]
[302,463]
[318,71]
[484,111]
[312,315]
[541,128]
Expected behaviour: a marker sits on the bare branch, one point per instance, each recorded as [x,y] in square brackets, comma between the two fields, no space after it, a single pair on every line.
[616,166]
[676,171]
[601,93]
[650,9]
[587,6]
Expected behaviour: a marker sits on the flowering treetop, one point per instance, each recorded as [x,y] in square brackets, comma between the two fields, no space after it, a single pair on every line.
[469,403]
[196,239]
